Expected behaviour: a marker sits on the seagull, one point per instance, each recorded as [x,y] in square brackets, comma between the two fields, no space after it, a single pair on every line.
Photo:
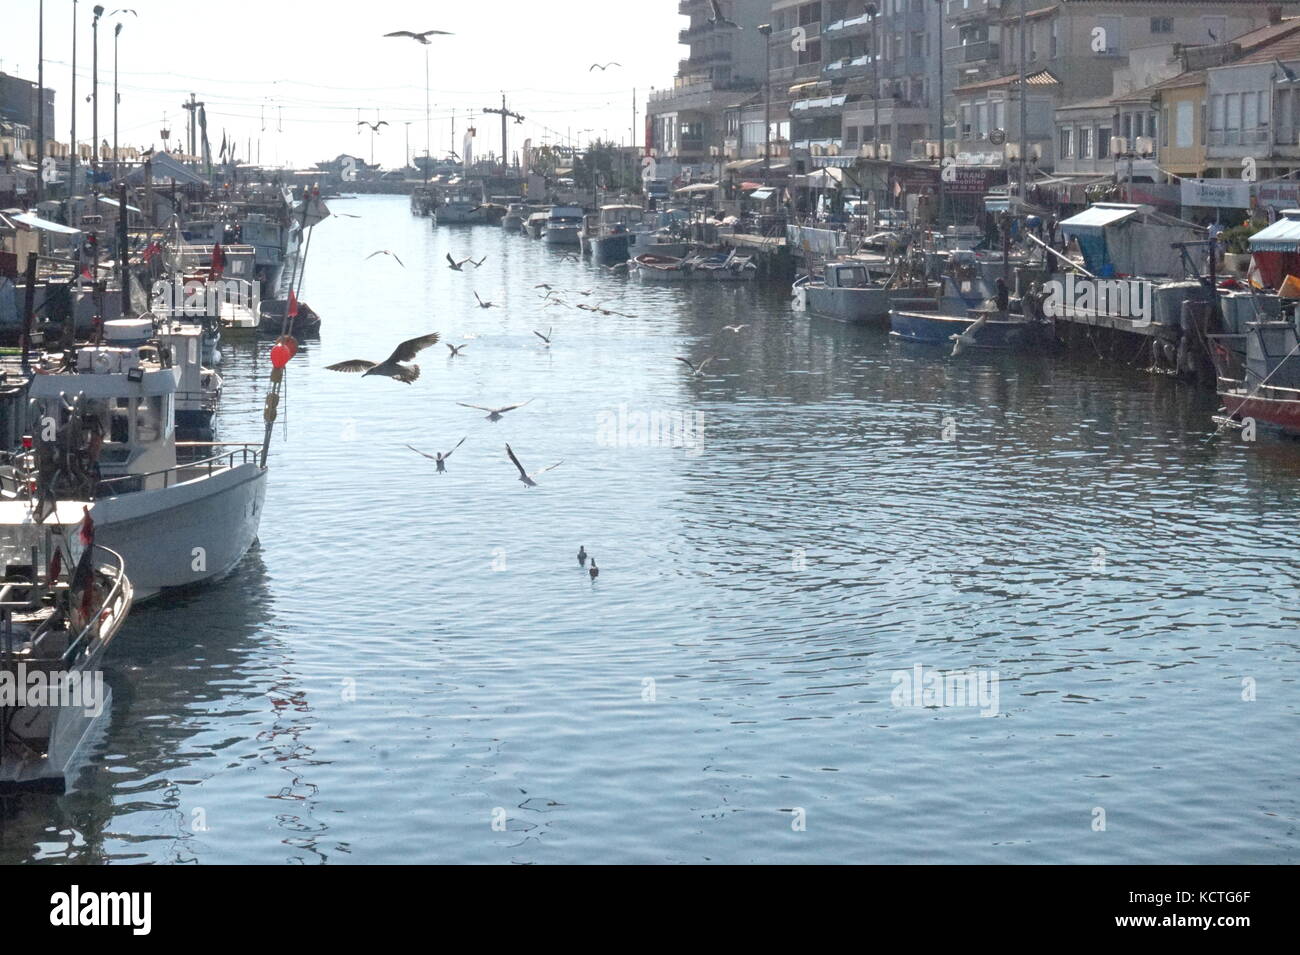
[967,337]
[439,458]
[346,215]
[718,20]
[593,570]
[582,556]
[393,366]
[524,476]
[544,285]
[617,266]
[454,265]
[546,338]
[695,371]
[483,304]
[374,127]
[602,67]
[494,414]
[455,349]
[386,252]
[420,37]
[1287,72]
[569,255]
[733,328]
[478,263]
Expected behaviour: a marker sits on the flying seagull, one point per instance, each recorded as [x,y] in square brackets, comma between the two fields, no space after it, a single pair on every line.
[386,252]
[545,286]
[454,265]
[733,328]
[602,67]
[419,37]
[483,304]
[1287,72]
[546,338]
[524,476]
[374,127]
[494,414]
[455,349]
[439,458]
[718,21]
[967,337]
[393,366]
[696,371]
[478,263]
[346,215]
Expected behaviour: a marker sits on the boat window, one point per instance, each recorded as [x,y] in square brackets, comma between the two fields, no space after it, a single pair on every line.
[193,351]
[148,419]
[119,430]
[853,278]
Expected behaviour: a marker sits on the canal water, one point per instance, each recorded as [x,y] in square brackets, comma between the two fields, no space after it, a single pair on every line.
[411,667]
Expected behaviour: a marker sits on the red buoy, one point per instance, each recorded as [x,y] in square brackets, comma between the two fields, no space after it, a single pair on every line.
[280,356]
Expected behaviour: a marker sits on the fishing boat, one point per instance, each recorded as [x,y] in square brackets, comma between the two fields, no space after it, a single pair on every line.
[175,523]
[985,328]
[304,324]
[720,267]
[460,203]
[198,391]
[649,267]
[858,293]
[1264,386]
[610,235]
[535,224]
[562,225]
[63,600]
[513,220]
[422,201]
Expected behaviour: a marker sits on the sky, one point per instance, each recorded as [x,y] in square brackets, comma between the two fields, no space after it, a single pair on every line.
[299,76]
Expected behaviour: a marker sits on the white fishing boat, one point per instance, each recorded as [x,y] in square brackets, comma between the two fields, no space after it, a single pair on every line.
[563,224]
[460,203]
[199,390]
[175,523]
[535,224]
[62,601]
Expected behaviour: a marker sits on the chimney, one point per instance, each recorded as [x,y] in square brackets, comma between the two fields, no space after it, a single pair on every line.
[1275,14]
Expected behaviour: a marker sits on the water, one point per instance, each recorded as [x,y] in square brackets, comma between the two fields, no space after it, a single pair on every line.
[409,657]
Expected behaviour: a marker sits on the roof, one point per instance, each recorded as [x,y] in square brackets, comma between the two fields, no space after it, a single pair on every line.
[1285,47]
[1182,80]
[1100,214]
[698,187]
[1040,78]
[36,222]
[1282,236]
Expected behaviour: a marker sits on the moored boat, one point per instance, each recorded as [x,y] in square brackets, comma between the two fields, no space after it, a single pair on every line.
[858,293]
[562,225]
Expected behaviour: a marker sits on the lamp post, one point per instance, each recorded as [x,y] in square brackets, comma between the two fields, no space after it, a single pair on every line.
[40,102]
[94,89]
[941,97]
[766,30]
[72,104]
[117,30]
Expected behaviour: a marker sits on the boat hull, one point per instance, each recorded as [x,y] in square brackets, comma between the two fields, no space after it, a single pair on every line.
[937,328]
[186,534]
[563,235]
[856,306]
[1282,415]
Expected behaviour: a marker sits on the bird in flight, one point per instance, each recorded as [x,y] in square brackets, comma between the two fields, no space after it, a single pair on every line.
[483,304]
[1287,72]
[387,252]
[346,215]
[374,127]
[718,21]
[545,286]
[439,458]
[419,37]
[733,328]
[454,265]
[524,476]
[394,366]
[602,66]
[968,336]
[455,349]
[569,255]
[478,263]
[494,414]
[546,338]
[696,371]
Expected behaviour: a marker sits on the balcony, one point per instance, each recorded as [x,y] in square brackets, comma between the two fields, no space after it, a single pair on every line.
[981,51]
[846,67]
[693,64]
[843,29]
[1258,136]
[978,10]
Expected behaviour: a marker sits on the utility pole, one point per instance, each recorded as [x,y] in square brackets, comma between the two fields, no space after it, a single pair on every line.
[505,113]
[766,30]
[94,88]
[1024,106]
[942,93]
[192,106]
[873,11]
[116,31]
[72,104]
[40,105]
[634,121]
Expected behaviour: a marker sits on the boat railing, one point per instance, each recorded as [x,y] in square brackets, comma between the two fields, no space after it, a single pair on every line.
[113,600]
[243,453]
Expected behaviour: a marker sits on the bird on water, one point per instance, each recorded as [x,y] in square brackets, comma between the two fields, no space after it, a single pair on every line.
[582,555]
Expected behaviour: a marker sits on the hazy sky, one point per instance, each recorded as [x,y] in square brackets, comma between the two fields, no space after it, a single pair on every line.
[311,66]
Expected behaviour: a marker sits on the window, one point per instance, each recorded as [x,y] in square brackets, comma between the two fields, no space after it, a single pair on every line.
[1067,142]
[1103,142]
[1162,24]
[964,122]
[1055,48]
[918,45]
[1085,142]
[1126,126]
[1185,132]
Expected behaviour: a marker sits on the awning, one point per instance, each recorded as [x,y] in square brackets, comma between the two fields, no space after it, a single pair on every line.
[35,222]
[832,161]
[742,164]
[827,178]
[1282,236]
[697,187]
[114,203]
[1100,215]
[762,195]
[746,186]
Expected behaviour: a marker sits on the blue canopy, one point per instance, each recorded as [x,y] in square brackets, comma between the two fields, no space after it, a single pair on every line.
[1282,236]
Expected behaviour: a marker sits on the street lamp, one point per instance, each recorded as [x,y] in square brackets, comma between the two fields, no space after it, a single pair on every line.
[941,97]
[872,11]
[94,88]
[117,30]
[766,30]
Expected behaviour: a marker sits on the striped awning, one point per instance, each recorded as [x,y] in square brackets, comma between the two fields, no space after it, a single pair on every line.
[1282,236]
[841,161]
